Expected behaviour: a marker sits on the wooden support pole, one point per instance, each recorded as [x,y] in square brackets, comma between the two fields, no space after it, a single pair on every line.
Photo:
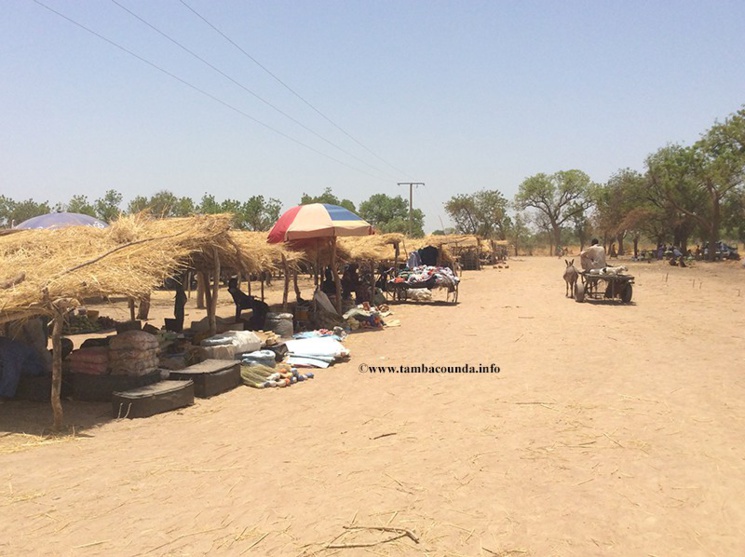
[297,288]
[55,398]
[131,309]
[204,280]
[287,283]
[201,289]
[215,291]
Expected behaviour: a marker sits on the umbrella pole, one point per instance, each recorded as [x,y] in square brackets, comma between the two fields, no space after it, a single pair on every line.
[318,264]
[337,282]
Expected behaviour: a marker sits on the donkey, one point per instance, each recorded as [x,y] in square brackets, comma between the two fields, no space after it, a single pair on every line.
[570,277]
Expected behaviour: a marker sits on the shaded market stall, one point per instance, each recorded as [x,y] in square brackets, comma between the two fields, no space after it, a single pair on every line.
[311,226]
[47,273]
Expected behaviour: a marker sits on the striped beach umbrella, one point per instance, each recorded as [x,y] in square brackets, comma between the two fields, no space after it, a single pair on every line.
[317,220]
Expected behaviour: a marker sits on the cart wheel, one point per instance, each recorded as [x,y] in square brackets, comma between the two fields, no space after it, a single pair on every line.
[626,293]
[579,292]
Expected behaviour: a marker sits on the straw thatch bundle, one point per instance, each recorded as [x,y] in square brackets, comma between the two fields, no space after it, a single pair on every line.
[258,255]
[378,247]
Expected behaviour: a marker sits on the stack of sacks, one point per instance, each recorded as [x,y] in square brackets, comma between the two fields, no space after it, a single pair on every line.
[260,357]
[133,353]
[227,345]
[93,360]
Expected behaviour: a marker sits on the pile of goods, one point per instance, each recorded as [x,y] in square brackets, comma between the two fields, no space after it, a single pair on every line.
[366,316]
[281,375]
[260,369]
[426,276]
[89,359]
[133,353]
[84,324]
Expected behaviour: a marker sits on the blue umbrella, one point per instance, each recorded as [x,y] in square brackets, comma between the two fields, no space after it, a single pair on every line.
[61,220]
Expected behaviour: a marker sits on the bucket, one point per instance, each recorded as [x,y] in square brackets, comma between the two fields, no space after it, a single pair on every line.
[302,314]
[280,323]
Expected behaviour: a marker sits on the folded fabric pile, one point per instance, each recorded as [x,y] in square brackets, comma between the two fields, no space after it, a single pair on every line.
[315,352]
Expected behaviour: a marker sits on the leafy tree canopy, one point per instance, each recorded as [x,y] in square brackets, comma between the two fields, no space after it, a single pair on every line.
[483,213]
[327,197]
[391,214]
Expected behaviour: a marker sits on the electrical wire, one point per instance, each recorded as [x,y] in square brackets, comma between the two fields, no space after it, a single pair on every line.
[291,90]
[249,91]
[201,91]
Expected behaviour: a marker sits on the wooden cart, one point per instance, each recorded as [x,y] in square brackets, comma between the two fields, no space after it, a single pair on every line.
[617,287]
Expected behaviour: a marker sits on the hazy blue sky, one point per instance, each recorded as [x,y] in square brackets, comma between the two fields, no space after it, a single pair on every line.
[462,95]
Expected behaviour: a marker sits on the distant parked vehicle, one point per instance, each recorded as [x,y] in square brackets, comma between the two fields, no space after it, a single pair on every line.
[723,251]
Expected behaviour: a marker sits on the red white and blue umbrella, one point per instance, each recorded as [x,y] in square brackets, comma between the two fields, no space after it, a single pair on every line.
[318,220]
[53,221]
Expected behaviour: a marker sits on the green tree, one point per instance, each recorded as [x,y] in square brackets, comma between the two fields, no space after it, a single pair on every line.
[483,213]
[675,190]
[163,204]
[260,214]
[107,207]
[557,197]
[327,197]
[15,212]
[79,204]
[6,209]
[209,205]
[391,214]
[625,191]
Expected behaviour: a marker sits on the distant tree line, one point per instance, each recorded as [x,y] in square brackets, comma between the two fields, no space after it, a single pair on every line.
[387,214]
[686,193]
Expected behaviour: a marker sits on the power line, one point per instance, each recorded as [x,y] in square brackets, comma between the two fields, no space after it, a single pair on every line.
[201,91]
[249,91]
[291,90]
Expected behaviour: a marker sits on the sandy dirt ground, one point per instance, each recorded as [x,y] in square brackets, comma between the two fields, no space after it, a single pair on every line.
[610,430]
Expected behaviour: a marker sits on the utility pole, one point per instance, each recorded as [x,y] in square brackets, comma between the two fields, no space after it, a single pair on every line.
[411,197]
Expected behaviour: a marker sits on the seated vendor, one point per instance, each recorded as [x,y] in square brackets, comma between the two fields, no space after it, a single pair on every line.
[328,286]
[593,257]
[350,281]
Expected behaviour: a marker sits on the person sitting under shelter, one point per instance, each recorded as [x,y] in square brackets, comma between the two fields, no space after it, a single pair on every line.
[350,281]
[593,257]
[242,301]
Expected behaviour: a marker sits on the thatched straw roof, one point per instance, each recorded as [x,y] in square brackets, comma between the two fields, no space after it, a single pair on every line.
[378,247]
[130,258]
[256,254]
